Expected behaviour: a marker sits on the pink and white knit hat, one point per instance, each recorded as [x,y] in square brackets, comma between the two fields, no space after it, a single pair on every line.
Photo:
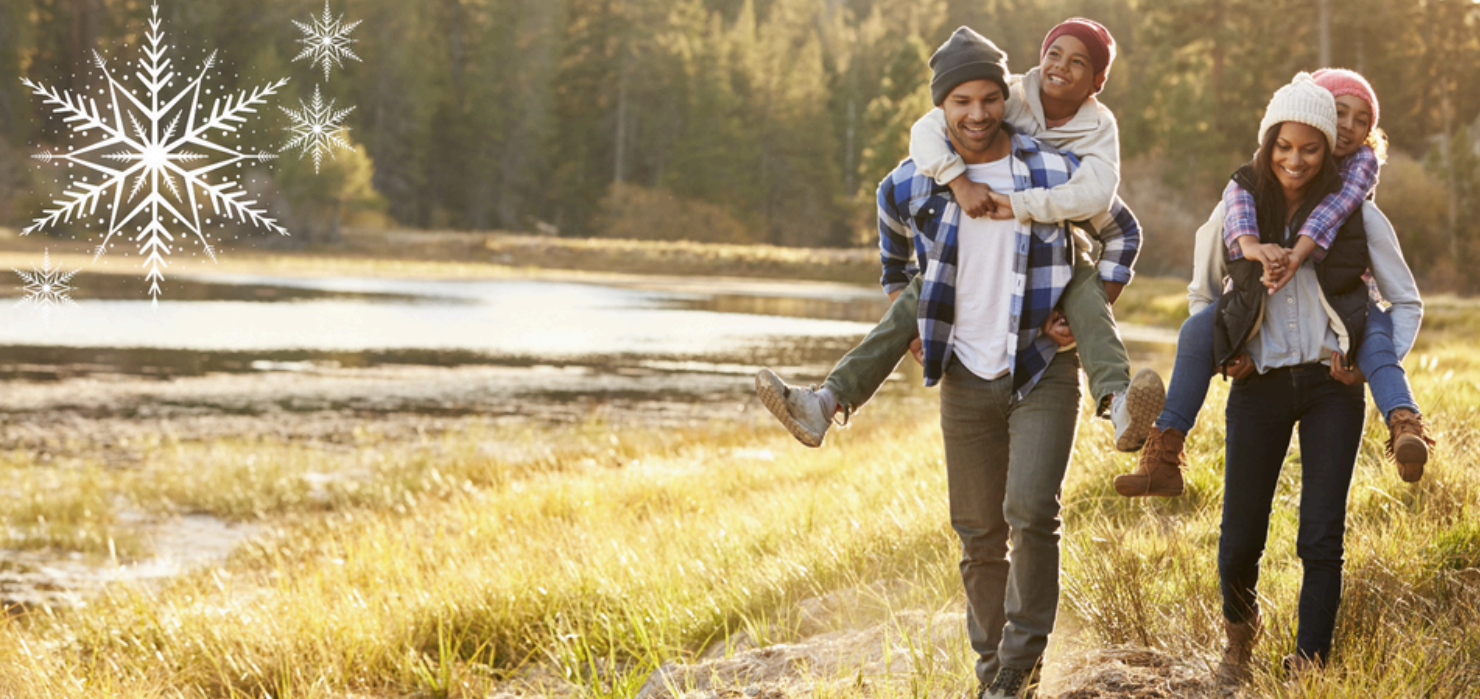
[1340,81]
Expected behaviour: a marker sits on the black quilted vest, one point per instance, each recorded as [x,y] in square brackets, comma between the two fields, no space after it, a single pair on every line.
[1240,309]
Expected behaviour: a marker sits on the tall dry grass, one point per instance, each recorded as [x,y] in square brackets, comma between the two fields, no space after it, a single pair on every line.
[440,566]
[1143,572]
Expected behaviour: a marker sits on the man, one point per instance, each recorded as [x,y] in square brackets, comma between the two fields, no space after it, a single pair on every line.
[992,338]
[1055,104]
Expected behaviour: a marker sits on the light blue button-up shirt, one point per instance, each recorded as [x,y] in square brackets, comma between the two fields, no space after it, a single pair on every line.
[1296,328]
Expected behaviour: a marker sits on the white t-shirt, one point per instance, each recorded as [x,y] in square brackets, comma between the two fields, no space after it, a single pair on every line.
[984,279]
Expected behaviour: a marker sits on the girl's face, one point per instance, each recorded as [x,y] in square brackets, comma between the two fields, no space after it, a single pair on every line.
[1298,153]
[1353,123]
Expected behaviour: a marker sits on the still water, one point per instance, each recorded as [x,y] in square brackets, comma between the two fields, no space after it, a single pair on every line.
[551,320]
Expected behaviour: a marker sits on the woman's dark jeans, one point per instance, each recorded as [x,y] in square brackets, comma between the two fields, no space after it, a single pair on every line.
[1262,412]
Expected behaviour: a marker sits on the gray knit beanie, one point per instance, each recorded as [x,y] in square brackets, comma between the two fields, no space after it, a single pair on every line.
[1305,102]
[966,56]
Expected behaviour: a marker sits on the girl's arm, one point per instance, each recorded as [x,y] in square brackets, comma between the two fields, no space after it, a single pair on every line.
[1239,219]
[1358,179]
[1241,234]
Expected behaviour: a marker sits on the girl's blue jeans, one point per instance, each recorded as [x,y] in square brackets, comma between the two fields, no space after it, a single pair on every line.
[1194,369]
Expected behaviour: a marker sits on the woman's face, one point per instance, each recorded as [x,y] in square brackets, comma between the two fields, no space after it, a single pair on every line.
[1298,153]
[1353,123]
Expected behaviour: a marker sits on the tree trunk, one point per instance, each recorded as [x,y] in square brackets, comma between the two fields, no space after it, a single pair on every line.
[621,166]
[1325,29]
[849,168]
[83,39]
[1446,109]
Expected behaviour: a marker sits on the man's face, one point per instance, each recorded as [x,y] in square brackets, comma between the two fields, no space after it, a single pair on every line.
[1068,75]
[974,118]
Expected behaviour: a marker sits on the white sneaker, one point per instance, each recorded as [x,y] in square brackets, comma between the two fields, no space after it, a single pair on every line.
[799,409]
[1134,410]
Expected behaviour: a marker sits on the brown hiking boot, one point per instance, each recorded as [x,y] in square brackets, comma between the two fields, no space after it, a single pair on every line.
[1234,667]
[1159,470]
[1408,443]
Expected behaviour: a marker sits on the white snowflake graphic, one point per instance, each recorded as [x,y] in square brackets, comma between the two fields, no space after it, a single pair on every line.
[46,288]
[326,39]
[152,142]
[317,128]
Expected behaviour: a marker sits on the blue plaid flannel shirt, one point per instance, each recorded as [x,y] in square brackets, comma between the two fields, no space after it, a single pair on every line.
[919,219]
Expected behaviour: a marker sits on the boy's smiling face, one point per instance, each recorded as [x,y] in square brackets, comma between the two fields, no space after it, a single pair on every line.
[1068,75]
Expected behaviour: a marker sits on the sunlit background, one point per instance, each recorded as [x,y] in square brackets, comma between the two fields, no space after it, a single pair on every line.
[487,414]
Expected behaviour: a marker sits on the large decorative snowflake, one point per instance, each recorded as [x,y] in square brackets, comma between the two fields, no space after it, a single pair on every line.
[326,39]
[317,129]
[46,288]
[153,143]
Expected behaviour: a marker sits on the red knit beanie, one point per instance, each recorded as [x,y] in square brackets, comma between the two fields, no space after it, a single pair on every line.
[1096,38]
[1340,81]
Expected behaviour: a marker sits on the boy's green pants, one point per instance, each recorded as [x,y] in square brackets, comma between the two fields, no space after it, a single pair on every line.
[1102,353]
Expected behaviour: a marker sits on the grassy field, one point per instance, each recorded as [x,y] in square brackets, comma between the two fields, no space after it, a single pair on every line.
[443,566]
[575,560]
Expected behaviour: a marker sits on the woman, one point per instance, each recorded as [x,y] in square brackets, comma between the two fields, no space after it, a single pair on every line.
[1360,149]
[1289,338]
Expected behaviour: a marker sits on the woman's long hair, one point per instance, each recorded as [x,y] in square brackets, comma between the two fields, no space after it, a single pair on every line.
[1269,194]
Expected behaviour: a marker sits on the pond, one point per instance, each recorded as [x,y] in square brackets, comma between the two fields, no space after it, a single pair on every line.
[490,318]
[449,347]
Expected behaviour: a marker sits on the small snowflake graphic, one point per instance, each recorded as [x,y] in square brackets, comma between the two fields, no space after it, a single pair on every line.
[154,142]
[326,39]
[317,128]
[46,288]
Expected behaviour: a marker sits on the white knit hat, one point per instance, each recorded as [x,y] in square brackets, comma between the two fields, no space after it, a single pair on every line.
[1305,102]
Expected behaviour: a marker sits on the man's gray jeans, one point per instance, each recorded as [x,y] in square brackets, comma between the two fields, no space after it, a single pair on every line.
[1005,464]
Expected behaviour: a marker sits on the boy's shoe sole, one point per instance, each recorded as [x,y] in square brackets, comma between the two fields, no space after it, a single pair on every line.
[772,392]
[1143,401]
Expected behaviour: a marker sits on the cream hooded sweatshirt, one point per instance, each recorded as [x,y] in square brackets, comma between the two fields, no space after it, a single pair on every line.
[1091,134]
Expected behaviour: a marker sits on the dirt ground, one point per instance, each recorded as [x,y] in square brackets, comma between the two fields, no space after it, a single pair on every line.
[861,644]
